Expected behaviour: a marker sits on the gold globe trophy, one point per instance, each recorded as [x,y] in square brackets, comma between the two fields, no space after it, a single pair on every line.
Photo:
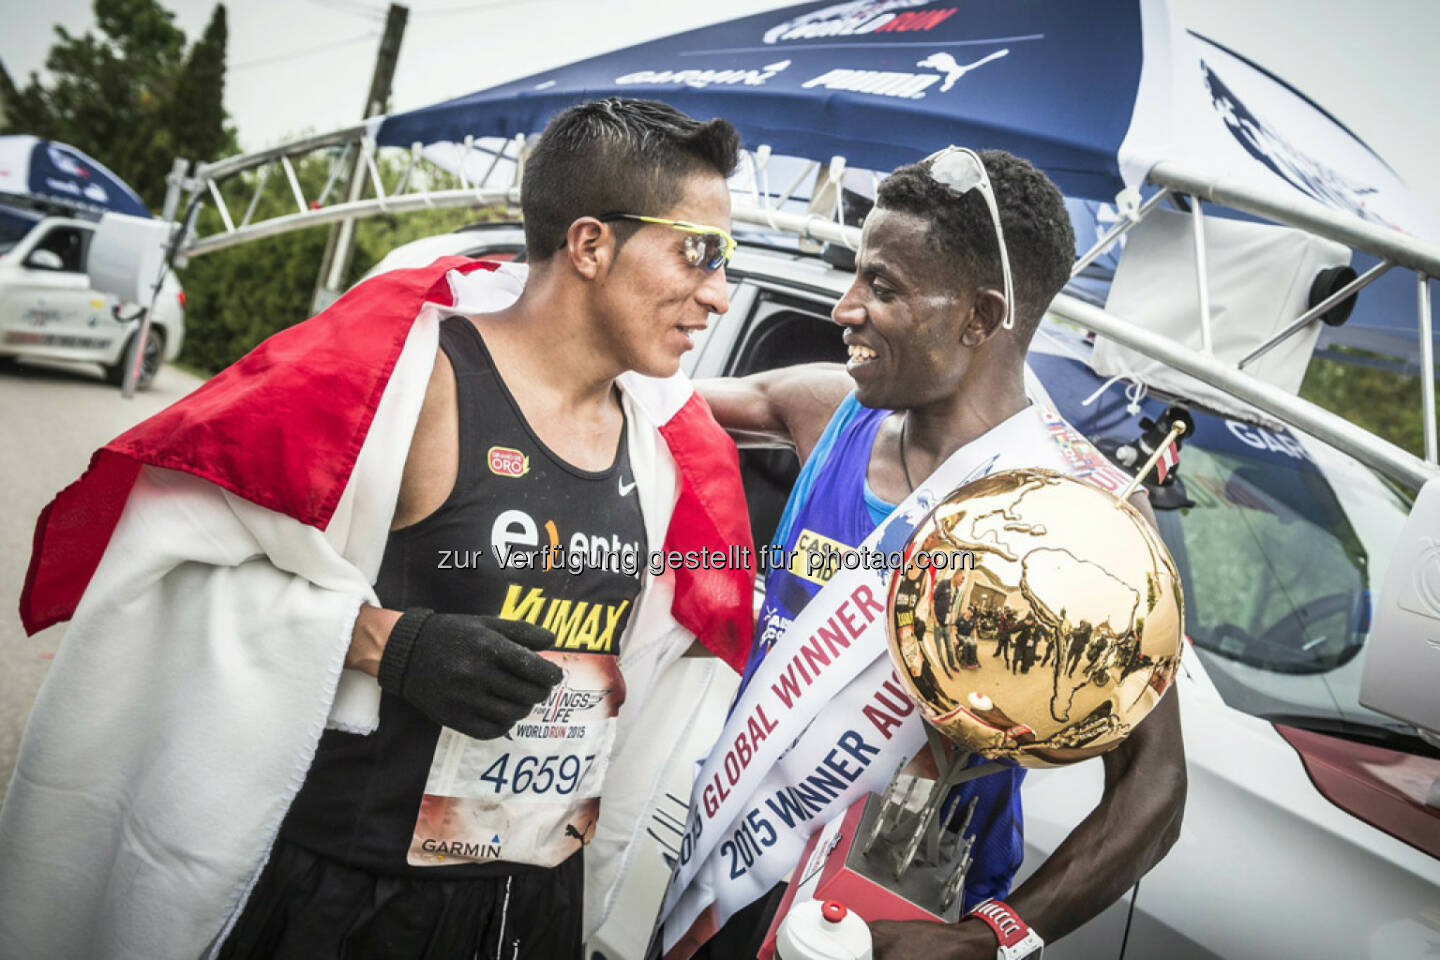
[1036,620]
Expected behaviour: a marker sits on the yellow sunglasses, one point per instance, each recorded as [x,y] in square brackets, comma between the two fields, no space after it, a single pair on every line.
[708,248]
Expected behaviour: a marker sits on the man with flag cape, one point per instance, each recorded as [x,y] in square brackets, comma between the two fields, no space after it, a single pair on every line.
[217,560]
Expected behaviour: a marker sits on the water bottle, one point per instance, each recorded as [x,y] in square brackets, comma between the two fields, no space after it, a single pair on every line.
[813,930]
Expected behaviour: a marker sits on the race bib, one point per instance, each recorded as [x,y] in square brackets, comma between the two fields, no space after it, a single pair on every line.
[533,795]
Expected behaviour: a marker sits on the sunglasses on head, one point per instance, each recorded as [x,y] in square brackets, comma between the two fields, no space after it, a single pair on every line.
[708,248]
[961,170]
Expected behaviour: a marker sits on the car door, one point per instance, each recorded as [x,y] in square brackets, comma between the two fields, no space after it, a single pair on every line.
[49,304]
[1309,830]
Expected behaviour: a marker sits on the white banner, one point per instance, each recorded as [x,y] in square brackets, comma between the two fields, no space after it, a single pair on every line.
[1212,110]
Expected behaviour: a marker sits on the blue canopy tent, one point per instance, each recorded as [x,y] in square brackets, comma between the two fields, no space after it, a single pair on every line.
[53,174]
[879,83]
[884,83]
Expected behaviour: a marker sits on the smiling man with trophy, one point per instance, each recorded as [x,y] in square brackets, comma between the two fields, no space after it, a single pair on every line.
[1014,550]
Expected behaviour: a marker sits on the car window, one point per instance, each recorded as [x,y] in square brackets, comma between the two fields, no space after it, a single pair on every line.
[782,331]
[70,243]
[1281,567]
[12,230]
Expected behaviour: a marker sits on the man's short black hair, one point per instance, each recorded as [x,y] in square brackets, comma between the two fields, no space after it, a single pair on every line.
[1038,234]
[616,155]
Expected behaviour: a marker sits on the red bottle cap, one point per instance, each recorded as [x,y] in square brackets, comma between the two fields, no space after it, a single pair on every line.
[833,910]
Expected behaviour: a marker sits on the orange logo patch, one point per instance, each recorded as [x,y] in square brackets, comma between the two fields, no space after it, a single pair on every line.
[508,462]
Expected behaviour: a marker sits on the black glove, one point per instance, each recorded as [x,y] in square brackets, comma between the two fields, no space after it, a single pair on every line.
[478,675]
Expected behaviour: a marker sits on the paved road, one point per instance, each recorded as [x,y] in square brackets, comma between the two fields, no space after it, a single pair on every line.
[52,417]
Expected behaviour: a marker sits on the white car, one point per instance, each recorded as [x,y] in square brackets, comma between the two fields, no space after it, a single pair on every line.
[49,309]
[1306,831]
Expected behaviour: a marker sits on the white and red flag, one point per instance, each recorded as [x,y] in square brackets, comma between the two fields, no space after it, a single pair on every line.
[211,561]
[1168,461]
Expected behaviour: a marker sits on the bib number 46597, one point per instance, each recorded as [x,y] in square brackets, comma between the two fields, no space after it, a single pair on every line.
[559,774]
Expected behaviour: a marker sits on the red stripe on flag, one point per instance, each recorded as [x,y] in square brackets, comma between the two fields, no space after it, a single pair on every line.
[710,514]
[281,427]
[1168,460]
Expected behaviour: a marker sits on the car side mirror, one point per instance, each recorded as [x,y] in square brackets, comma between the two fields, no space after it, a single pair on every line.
[45,260]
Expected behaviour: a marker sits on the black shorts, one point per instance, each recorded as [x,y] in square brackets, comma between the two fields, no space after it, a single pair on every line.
[305,907]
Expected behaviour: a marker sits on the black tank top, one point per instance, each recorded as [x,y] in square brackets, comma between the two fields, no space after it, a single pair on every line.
[513,499]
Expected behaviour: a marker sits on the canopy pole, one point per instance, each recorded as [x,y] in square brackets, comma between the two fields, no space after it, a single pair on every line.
[1288,208]
[1197,221]
[1427,365]
[1122,227]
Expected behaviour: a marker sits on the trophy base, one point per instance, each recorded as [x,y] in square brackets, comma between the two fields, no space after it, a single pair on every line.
[836,866]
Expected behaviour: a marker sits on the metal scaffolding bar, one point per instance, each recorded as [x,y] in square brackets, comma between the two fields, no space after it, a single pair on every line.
[1427,366]
[361,208]
[1202,277]
[255,197]
[221,169]
[294,183]
[1340,433]
[220,206]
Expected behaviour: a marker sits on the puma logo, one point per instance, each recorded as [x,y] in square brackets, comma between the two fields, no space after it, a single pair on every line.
[946,64]
[577,835]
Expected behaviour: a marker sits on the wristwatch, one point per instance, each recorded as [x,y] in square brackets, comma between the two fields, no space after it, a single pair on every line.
[1017,940]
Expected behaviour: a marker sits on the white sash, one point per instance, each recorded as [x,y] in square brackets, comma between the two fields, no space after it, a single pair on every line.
[782,767]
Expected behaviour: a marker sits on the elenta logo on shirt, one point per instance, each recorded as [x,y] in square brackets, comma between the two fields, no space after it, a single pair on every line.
[507,462]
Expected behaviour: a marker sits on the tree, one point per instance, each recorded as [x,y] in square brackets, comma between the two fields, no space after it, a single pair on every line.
[198,118]
[8,95]
[1385,402]
[118,96]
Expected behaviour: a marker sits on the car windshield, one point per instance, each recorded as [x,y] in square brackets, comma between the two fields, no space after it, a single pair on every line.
[1281,564]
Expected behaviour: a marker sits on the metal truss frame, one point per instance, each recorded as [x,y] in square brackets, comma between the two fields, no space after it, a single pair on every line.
[823,222]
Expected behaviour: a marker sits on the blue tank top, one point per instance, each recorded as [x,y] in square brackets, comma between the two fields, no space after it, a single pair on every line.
[832,507]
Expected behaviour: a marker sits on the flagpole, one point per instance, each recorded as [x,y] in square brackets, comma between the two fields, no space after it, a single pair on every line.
[1177,429]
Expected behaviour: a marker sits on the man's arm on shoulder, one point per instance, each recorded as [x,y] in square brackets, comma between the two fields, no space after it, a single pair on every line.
[784,407]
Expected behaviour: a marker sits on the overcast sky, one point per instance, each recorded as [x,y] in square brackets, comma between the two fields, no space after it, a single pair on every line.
[305,65]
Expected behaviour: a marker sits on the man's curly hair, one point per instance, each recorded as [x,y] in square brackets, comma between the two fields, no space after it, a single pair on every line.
[1038,235]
